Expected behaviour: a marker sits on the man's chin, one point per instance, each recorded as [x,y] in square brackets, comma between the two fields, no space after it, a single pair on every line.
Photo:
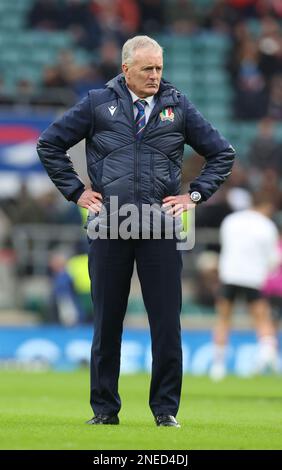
[152,89]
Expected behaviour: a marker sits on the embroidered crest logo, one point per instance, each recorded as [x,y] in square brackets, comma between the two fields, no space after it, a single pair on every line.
[167,115]
[112,109]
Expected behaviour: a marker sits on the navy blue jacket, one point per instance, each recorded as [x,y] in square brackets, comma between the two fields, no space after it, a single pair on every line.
[140,172]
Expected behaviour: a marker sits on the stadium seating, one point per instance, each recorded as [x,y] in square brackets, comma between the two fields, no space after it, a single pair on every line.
[197,66]
[195,63]
[23,52]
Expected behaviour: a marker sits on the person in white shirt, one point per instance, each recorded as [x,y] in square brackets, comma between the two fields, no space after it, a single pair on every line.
[249,241]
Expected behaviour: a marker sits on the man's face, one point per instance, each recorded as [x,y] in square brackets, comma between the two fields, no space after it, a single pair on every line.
[143,74]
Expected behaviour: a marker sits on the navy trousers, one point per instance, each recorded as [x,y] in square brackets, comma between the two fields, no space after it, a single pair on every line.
[159,267]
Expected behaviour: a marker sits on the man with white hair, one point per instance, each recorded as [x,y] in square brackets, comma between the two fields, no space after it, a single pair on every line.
[135,130]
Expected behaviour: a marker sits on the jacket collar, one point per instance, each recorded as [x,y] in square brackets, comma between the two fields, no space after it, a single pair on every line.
[167,94]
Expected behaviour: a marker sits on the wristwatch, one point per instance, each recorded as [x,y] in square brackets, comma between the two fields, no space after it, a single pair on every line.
[196,197]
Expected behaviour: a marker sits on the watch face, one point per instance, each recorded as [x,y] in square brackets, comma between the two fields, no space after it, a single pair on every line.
[195,196]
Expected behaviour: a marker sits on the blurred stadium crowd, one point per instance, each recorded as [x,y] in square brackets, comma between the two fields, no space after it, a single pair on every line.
[225,54]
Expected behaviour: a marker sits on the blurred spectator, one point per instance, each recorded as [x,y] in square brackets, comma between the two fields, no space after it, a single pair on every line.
[129,13]
[264,151]
[109,64]
[5,227]
[221,17]
[118,19]
[52,78]
[68,68]
[152,16]
[230,13]
[242,9]
[275,98]
[251,92]
[256,70]
[24,90]
[270,48]
[83,25]
[240,34]
[269,7]
[24,208]
[180,18]
[48,208]
[65,307]
[184,27]
[270,184]
[77,268]
[91,78]
[71,76]
[71,15]
[56,210]
[45,15]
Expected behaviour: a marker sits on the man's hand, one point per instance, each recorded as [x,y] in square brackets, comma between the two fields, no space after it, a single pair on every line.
[178,204]
[90,200]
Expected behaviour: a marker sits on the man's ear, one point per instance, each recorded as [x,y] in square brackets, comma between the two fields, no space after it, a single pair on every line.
[125,68]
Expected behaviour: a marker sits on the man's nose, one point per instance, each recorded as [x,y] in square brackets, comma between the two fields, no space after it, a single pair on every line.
[154,74]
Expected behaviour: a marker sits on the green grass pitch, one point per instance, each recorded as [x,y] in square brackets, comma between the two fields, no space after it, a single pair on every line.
[47,410]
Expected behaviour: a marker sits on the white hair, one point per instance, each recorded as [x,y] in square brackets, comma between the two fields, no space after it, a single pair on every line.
[137,42]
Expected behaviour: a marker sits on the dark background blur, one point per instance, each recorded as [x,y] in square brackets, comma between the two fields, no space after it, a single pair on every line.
[226,55]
